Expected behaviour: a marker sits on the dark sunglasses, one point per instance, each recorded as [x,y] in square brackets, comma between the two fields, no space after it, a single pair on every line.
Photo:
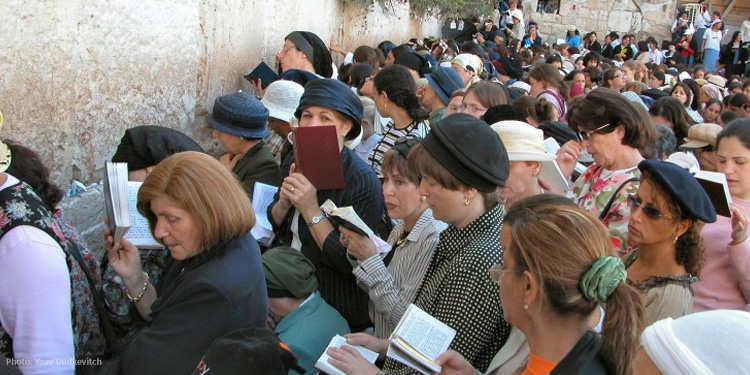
[586,135]
[650,211]
[404,144]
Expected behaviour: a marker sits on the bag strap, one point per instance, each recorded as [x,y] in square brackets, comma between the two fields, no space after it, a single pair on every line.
[109,332]
[604,212]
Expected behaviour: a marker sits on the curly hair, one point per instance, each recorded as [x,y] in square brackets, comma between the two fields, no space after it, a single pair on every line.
[28,167]
[397,82]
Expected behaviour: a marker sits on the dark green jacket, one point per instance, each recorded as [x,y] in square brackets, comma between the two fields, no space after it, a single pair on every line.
[258,164]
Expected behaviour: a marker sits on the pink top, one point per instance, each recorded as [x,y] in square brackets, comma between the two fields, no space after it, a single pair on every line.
[35,304]
[725,278]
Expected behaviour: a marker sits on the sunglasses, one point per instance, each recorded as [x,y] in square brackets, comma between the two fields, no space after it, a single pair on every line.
[586,135]
[649,210]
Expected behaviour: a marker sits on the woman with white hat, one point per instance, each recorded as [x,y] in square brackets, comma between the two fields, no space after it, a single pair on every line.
[525,147]
[281,100]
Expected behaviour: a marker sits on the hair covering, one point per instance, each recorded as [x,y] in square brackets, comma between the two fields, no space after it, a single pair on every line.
[315,50]
[445,81]
[713,91]
[682,187]
[413,61]
[701,135]
[146,146]
[685,160]
[704,343]
[522,141]
[469,62]
[281,99]
[240,114]
[359,74]
[336,95]
[470,150]
[248,351]
[717,80]
[288,273]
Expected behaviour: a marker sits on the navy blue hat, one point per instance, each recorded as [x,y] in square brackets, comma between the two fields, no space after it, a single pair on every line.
[470,150]
[683,188]
[336,95]
[444,81]
[298,75]
[413,61]
[240,114]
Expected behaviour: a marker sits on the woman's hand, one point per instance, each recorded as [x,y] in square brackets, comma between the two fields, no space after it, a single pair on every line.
[300,191]
[739,224]
[123,256]
[454,363]
[230,160]
[567,156]
[368,341]
[357,245]
[350,361]
[258,86]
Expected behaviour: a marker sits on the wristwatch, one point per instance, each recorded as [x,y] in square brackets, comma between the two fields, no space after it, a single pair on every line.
[316,219]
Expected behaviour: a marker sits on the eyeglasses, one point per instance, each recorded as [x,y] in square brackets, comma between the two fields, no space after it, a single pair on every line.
[618,76]
[586,135]
[497,271]
[286,49]
[474,109]
[456,108]
[649,210]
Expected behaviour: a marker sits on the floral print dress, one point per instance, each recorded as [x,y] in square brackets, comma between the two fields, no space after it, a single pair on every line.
[593,190]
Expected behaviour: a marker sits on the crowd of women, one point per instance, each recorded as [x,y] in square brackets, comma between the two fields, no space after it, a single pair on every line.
[622,268]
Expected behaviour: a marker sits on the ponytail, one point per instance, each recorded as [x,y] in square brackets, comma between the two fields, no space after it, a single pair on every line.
[623,324]
[399,85]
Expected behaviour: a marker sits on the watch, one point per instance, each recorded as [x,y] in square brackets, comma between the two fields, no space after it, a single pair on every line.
[316,219]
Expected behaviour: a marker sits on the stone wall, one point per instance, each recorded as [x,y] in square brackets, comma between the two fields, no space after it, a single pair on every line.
[77,73]
[641,17]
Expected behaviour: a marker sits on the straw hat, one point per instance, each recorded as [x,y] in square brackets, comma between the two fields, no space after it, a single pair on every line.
[701,135]
[522,141]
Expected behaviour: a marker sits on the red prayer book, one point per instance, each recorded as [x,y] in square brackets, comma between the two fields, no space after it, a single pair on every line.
[318,157]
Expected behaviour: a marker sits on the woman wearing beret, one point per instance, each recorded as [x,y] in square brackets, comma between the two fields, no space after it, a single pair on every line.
[461,189]
[239,123]
[725,280]
[612,130]
[664,224]
[198,210]
[296,215]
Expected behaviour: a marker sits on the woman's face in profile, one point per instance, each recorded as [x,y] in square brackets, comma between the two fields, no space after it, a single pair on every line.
[176,229]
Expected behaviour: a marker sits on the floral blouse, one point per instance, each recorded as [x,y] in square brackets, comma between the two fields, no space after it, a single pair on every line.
[593,190]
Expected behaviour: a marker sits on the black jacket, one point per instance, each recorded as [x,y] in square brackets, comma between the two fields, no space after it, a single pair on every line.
[584,358]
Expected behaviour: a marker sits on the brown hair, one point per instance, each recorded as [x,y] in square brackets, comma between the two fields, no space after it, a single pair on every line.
[550,75]
[489,94]
[208,191]
[420,160]
[558,243]
[393,160]
[640,72]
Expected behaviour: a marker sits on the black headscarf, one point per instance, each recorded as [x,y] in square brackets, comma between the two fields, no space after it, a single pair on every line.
[145,146]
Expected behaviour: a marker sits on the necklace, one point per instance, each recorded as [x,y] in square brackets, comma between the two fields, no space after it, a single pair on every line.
[402,239]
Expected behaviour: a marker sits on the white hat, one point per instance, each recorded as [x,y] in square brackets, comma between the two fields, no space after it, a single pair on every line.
[282,98]
[522,141]
[467,60]
[690,30]
[685,76]
[685,160]
[521,85]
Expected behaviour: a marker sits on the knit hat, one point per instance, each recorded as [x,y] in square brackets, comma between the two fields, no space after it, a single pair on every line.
[336,95]
[445,81]
[281,99]
[682,187]
[288,273]
[240,114]
[146,146]
[469,62]
[522,141]
[701,135]
[470,150]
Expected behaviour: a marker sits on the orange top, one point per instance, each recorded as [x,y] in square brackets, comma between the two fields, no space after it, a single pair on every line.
[538,366]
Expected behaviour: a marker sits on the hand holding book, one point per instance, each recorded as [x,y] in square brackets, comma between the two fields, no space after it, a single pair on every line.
[739,224]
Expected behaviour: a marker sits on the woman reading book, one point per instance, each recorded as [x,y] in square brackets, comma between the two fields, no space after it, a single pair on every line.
[296,215]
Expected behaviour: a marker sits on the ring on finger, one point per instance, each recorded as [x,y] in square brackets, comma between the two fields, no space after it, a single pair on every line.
[343,237]
[291,189]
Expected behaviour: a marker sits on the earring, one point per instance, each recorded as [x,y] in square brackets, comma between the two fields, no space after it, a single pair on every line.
[675,239]
[466,201]
[525,307]
[422,198]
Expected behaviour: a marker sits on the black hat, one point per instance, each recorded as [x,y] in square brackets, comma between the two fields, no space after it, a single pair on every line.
[470,150]
[248,351]
[413,61]
[146,146]
[240,114]
[683,188]
[336,95]
[654,93]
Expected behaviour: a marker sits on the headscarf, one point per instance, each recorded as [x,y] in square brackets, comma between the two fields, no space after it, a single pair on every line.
[288,273]
[145,146]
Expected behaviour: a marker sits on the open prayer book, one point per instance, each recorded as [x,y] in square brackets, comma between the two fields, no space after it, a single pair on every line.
[262,198]
[336,342]
[348,218]
[715,185]
[120,202]
[419,339]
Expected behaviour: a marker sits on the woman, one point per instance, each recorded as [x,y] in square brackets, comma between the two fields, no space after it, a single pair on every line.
[687,47]
[592,44]
[708,92]
[669,112]
[239,122]
[614,79]
[392,282]
[573,37]
[682,92]
[665,216]
[482,96]
[612,130]
[557,269]
[711,45]
[462,162]
[547,83]
[306,51]
[396,98]
[198,210]
[643,55]
[726,273]
[712,111]
[455,105]
[296,215]
[734,56]
[532,38]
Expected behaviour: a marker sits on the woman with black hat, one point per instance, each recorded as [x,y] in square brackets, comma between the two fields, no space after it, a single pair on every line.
[296,215]
[665,216]
[305,50]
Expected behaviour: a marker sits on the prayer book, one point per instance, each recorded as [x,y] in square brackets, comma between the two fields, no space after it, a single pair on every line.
[715,185]
[262,198]
[318,157]
[264,73]
[348,218]
[552,173]
[419,339]
[336,342]
[120,202]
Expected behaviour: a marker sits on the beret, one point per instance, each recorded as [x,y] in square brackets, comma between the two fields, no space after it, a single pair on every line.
[682,187]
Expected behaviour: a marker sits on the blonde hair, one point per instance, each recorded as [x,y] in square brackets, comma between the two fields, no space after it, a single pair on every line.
[558,243]
[208,191]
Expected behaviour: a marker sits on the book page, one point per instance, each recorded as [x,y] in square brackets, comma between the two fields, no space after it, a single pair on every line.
[347,217]
[115,198]
[553,175]
[336,342]
[423,333]
[139,233]
[262,198]
[715,185]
